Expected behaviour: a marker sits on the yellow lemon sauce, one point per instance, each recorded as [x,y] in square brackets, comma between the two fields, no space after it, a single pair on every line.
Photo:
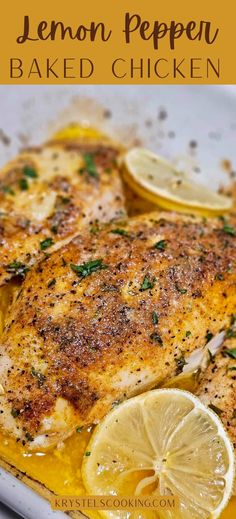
[60,469]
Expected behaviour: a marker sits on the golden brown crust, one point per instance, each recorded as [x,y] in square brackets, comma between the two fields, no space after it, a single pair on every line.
[217,387]
[50,193]
[93,340]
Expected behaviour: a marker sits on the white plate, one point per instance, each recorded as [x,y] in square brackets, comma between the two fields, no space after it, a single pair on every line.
[20,498]
[195,126]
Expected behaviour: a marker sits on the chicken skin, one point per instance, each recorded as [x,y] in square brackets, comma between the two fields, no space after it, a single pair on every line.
[113,313]
[217,385]
[48,193]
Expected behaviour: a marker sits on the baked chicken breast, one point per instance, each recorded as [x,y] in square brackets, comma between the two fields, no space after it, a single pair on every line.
[48,193]
[113,313]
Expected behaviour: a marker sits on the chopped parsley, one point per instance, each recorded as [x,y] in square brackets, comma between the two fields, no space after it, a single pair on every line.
[231,353]
[220,277]
[181,290]
[30,172]
[180,363]
[208,337]
[233,319]
[90,166]
[29,437]
[86,269]
[230,333]
[147,283]
[121,232]
[161,245]
[188,333]
[17,268]
[48,242]
[216,409]
[64,200]
[52,283]
[8,190]
[79,429]
[39,376]
[54,229]
[23,184]
[87,453]
[94,229]
[228,229]
[15,412]
[211,356]
[156,338]
[155,317]
[222,218]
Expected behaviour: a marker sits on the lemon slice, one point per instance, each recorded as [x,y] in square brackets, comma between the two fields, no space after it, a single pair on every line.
[163,442]
[76,131]
[158,181]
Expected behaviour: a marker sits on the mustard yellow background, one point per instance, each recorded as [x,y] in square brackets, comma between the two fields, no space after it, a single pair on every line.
[76,12]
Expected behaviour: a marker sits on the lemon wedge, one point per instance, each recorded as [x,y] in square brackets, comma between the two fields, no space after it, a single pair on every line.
[77,131]
[188,381]
[163,442]
[156,180]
